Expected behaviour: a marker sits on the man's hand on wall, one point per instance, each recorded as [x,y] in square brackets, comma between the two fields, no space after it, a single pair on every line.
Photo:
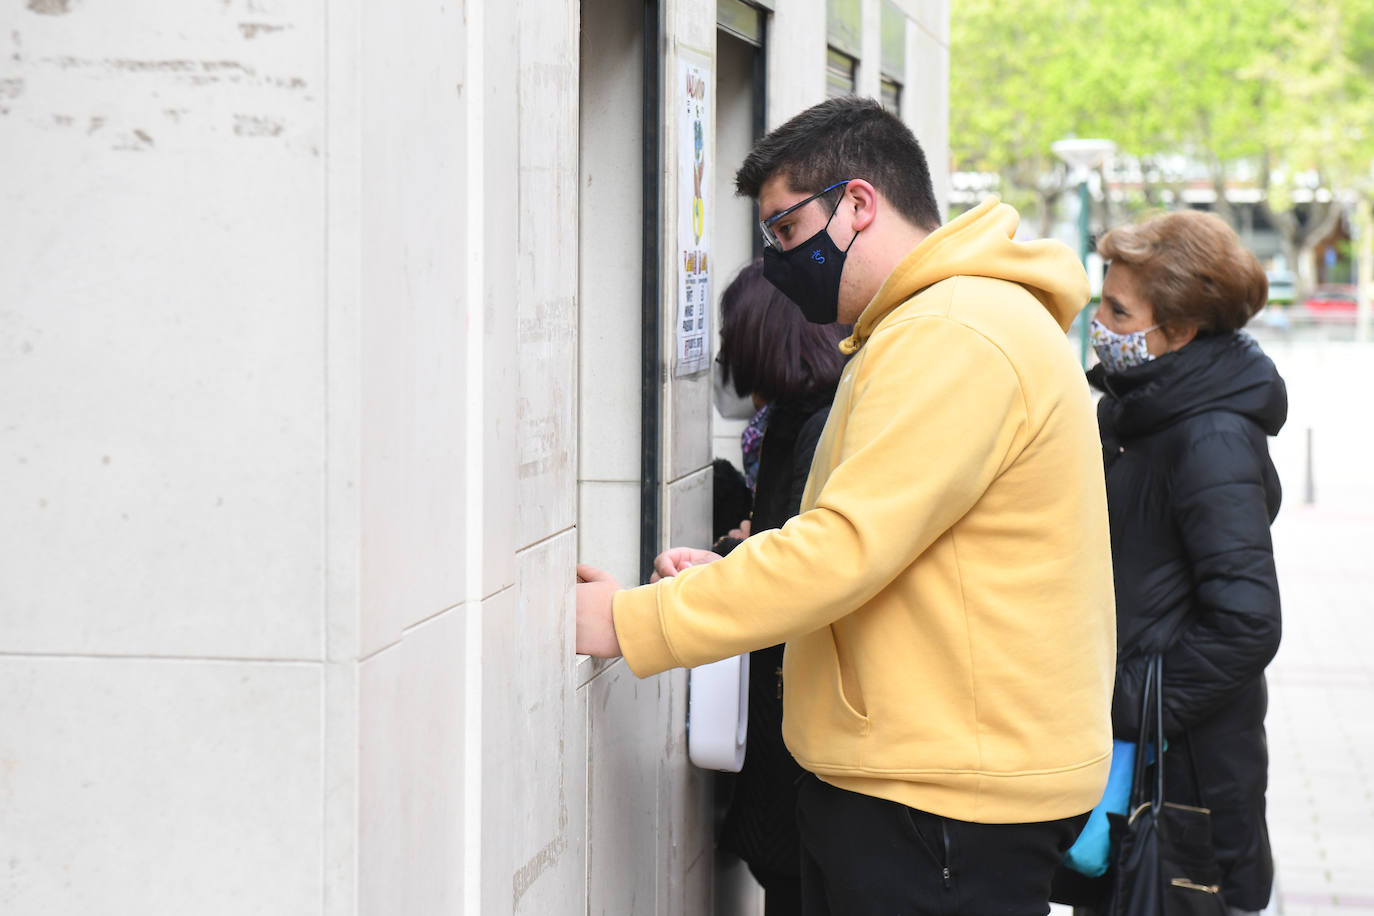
[596,590]
[595,626]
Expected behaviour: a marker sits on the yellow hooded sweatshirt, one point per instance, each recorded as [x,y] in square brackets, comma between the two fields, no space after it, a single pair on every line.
[946,592]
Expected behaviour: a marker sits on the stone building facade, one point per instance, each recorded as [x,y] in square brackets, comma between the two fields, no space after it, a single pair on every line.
[332,335]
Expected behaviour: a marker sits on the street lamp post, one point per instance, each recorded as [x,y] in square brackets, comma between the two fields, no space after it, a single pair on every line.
[1082,156]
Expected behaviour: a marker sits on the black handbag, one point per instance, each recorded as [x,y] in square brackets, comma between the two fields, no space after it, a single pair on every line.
[1163,863]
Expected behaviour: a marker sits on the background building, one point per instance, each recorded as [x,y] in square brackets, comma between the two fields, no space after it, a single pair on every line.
[332,335]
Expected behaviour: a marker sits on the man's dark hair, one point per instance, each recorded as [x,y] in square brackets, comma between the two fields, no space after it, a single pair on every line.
[766,346]
[842,138]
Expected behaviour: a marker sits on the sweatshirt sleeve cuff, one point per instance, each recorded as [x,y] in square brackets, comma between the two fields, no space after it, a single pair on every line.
[640,631]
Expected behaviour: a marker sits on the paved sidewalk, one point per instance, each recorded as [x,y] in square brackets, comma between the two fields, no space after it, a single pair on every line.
[1321,714]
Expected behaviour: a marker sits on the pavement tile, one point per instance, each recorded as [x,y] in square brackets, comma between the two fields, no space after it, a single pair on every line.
[1321,713]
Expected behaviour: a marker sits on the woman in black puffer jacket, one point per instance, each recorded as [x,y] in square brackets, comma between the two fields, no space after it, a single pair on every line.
[1189,400]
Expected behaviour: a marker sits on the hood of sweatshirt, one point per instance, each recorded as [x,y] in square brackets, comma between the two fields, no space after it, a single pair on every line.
[981,243]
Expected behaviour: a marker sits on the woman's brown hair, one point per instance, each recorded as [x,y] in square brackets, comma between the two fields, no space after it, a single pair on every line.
[768,348]
[1192,269]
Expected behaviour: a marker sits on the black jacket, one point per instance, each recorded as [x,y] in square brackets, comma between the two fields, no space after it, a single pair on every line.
[760,824]
[1191,493]
[789,443]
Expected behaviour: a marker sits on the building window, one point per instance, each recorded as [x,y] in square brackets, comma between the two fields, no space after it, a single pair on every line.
[891,95]
[740,19]
[844,26]
[843,31]
[893,67]
[840,71]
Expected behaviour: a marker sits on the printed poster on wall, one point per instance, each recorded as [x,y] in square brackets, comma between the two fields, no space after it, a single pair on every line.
[693,241]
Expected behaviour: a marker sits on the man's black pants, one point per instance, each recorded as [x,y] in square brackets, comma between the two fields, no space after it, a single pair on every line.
[866,856]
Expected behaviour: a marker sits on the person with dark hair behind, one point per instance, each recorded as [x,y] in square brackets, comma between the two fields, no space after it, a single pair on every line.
[773,355]
[1188,402]
[731,500]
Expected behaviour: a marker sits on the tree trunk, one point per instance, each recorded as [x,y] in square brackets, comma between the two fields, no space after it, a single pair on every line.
[1048,198]
[1299,239]
[1305,270]
[1154,183]
[1223,206]
[1108,211]
[1364,273]
[1322,219]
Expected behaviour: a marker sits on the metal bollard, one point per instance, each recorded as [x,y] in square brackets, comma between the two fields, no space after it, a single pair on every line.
[1310,494]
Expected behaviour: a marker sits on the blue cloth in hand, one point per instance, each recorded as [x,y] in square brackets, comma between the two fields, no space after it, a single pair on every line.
[1091,853]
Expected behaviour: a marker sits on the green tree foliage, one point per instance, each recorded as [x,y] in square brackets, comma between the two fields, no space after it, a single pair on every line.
[1318,137]
[1279,93]
[1002,118]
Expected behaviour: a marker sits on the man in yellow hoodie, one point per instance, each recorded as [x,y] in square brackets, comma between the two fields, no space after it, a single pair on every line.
[946,592]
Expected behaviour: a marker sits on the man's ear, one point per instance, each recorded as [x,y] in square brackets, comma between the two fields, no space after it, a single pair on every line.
[863,198]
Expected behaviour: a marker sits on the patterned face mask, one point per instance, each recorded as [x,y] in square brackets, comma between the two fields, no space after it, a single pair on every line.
[1119,352]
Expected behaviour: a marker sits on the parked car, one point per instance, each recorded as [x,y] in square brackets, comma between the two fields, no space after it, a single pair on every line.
[1334,301]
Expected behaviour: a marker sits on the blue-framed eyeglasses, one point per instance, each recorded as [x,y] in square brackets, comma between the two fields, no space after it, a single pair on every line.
[770,238]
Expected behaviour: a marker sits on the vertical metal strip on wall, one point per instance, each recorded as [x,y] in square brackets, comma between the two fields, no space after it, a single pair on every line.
[760,112]
[650,386]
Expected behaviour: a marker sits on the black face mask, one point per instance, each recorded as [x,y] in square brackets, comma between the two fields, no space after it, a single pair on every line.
[809,274]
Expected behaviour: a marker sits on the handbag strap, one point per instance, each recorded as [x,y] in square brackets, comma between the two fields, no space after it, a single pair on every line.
[1151,732]
[1142,738]
[1159,732]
